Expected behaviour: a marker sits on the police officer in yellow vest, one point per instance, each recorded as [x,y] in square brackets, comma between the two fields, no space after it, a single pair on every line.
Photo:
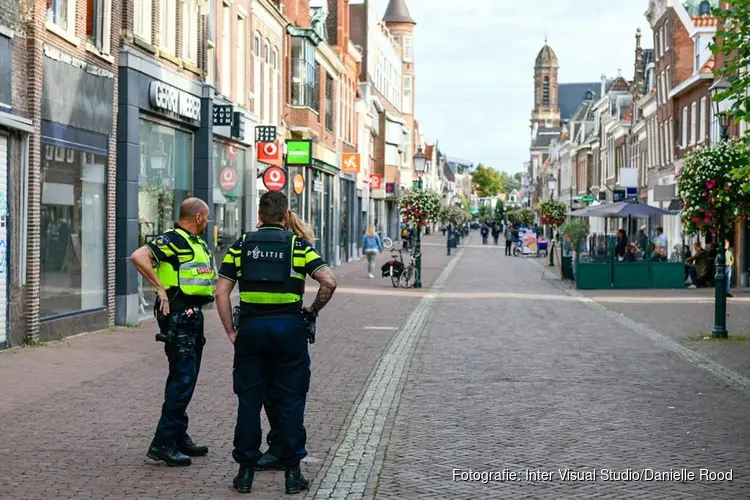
[270,348]
[184,277]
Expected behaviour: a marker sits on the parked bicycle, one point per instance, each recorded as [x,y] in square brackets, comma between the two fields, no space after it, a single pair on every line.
[409,275]
[394,268]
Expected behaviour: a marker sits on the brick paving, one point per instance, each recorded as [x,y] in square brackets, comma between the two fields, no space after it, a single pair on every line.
[492,369]
[546,384]
[77,416]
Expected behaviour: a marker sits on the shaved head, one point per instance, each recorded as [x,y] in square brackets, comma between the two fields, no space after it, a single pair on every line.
[192,207]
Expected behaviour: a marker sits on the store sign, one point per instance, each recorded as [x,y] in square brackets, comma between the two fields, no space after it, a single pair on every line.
[390,187]
[350,163]
[238,126]
[269,152]
[299,183]
[618,195]
[375,181]
[298,152]
[265,133]
[228,178]
[274,178]
[631,193]
[223,115]
[172,100]
[318,185]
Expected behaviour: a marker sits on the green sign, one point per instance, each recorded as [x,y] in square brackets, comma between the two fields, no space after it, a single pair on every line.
[298,152]
[587,199]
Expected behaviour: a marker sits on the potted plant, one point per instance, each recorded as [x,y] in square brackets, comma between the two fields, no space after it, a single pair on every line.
[574,231]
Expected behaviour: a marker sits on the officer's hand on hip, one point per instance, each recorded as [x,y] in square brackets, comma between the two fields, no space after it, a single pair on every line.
[163,301]
[232,336]
[307,310]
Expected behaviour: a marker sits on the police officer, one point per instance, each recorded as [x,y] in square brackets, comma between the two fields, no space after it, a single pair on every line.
[270,346]
[184,278]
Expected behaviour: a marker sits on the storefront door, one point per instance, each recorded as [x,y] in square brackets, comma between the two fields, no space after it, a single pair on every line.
[4,247]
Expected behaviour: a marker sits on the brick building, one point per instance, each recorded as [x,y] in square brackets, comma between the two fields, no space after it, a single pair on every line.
[16,130]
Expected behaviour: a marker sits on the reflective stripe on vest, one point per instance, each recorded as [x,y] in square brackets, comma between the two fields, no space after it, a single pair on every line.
[195,275]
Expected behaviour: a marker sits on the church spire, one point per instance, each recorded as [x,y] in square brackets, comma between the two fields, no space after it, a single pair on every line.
[397,12]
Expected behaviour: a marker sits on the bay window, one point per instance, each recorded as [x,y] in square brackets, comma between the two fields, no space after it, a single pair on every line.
[304,79]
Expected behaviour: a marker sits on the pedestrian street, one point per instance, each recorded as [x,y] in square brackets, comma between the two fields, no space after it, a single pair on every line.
[489,382]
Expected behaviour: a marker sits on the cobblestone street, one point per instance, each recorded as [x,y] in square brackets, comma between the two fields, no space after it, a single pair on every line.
[488,368]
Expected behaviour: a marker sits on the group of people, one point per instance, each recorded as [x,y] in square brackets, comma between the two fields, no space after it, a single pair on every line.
[699,264]
[270,332]
[486,229]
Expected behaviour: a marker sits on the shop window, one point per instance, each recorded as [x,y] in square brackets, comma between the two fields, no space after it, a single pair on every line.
[165,181]
[329,103]
[98,16]
[229,197]
[304,74]
[73,227]
[142,19]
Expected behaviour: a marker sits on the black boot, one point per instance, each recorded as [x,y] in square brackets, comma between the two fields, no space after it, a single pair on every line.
[294,481]
[169,455]
[269,462]
[189,448]
[243,481]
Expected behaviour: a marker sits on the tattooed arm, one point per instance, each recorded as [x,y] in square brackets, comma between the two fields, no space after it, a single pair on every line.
[324,276]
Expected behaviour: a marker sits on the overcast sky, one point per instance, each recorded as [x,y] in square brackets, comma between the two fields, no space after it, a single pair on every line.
[474,64]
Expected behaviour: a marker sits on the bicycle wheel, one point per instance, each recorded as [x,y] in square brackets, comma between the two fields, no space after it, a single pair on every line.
[387,242]
[409,277]
[394,279]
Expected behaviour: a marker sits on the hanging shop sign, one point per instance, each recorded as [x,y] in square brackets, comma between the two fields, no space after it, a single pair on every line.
[298,152]
[228,178]
[318,185]
[299,183]
[172,100]
[238,126]
[350,163]
[375,181]
[265,133]
[269,152]
[274,178]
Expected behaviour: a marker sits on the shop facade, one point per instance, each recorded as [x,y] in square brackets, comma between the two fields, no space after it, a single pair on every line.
[234,181]
[349,222]
[165,154]
[14,137]
[76,193]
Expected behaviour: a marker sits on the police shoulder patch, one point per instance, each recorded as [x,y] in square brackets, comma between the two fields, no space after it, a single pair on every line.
[161,240]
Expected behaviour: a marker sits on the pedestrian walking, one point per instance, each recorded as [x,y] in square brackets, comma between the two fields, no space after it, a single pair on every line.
[508,240]
[271,358]
[184,279]
[496,232]
[371,245]
[485,231]
[729,256]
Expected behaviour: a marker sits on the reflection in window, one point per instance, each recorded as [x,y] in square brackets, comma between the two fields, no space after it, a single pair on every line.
[166,179]
[229,201]
[73,215]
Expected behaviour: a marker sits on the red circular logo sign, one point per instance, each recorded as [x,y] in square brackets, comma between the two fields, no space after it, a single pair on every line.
[274,178]
[228,178]
[375,181]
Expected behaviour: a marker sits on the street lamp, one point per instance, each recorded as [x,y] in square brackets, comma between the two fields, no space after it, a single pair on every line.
[551,185]
[721,108]
[420,165]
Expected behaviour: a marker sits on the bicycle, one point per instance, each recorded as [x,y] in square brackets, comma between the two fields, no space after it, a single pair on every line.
[409,275]
[394,267]
[387,242]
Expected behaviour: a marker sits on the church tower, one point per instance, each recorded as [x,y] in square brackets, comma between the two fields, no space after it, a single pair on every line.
[546,108]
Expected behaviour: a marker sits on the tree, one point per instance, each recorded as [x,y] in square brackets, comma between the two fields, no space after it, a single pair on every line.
[487,180]
[499,210]
[732,43]
[511,182]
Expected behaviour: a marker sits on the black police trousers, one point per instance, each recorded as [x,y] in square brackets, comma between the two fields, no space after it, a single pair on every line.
[184,352]
[271,365]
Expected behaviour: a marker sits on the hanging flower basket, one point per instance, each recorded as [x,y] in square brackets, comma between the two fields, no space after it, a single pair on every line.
[454,215]
[551,213]
[709,191]
[523,216]
[420,208]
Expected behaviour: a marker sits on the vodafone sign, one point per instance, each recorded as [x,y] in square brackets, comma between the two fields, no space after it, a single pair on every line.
[274,178]
[375,181]
[228,178]
[269,152]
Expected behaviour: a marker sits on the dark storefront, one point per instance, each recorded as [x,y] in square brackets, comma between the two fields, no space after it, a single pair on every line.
[75,131]
[348,222]
[321,196]
[164,155]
